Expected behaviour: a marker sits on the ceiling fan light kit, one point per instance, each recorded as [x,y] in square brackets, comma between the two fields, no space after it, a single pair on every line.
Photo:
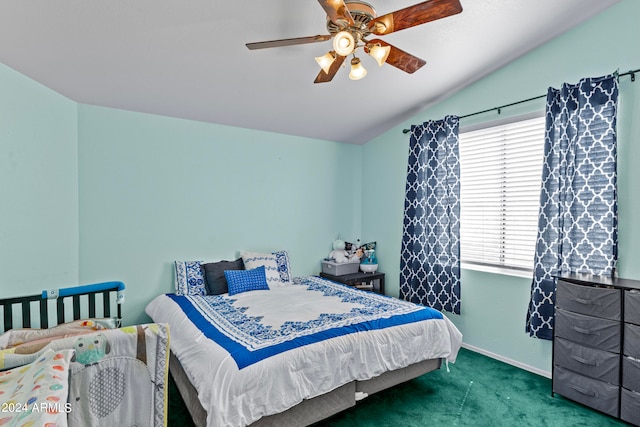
[350,22]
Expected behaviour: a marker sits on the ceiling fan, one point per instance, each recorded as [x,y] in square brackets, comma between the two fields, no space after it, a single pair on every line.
[351,22]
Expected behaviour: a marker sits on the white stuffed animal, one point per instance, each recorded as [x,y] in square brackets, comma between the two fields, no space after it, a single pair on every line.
[339,254]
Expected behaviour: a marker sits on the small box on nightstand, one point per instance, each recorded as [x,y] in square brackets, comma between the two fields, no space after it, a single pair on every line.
[339,269]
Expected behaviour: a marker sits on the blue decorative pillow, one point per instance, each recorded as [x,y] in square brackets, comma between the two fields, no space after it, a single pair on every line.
[276,264]
[240,281]
[189,278]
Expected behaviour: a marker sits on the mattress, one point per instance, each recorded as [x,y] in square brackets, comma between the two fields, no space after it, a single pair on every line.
[262,352]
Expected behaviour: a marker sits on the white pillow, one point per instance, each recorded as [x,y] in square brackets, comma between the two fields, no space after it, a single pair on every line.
[189,278]
[276,266]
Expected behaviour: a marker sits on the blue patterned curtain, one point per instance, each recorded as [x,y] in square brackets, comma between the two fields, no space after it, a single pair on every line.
[577,227]
[430,257]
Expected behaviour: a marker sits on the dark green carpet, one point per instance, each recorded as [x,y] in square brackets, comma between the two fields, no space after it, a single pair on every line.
[479,391]
[178,413]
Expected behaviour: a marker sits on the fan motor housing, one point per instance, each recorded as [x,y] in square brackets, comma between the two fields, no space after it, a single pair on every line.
[361,12]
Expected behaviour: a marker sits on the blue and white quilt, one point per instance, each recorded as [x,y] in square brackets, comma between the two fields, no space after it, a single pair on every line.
[261,352]
[255,325]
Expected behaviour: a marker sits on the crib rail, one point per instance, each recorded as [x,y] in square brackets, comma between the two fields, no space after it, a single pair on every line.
[22,306]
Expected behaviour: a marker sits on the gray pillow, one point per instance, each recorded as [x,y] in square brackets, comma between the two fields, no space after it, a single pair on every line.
[215,281]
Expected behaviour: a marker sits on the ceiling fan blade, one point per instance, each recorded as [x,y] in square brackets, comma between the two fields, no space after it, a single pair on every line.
[399,58]
[411,16]
[327,77]
[337,12]
[288,42]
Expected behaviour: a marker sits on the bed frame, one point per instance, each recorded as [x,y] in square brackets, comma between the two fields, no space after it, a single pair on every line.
[308,411]
[16,308]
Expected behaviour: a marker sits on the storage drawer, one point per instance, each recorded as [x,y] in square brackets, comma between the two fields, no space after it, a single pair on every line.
[596,394]
[632,306]
[598,364]
[630,406]
[591,300]
[631,373]
[632,340]
[591,331]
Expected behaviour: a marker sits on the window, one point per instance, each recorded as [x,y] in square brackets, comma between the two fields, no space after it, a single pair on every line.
[500,178]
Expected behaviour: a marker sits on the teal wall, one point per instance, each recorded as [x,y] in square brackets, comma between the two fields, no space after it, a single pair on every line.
[38,187]
[156,189]
[494,306]
[93,194]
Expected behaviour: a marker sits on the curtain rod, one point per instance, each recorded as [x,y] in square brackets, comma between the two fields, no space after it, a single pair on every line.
[631,73]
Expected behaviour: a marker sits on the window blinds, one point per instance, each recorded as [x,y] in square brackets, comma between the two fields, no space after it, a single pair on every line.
[500,172]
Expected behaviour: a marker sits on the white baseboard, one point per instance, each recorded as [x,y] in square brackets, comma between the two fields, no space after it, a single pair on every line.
[512,362]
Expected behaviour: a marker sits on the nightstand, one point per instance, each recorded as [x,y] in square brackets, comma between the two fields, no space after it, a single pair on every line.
[373,282]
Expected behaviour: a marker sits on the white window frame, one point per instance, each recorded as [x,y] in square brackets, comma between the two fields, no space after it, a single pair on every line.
[500,183]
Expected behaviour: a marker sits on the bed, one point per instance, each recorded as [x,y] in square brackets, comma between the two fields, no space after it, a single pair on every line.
[66,360]
[295,353]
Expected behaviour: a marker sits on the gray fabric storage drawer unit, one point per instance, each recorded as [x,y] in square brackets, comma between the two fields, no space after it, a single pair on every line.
[593,393]
[630,406]
[587,330]
[630,392]
[596,344]
[632,306]
[593,301]
[598,364]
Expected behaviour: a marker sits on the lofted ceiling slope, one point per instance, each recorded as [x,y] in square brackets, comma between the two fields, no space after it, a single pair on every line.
[188,59]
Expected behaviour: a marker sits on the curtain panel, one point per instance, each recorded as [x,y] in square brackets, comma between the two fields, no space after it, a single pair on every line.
[430,254]
[577,225]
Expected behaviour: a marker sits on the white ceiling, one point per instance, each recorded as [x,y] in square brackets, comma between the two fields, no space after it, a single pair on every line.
[188,59]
